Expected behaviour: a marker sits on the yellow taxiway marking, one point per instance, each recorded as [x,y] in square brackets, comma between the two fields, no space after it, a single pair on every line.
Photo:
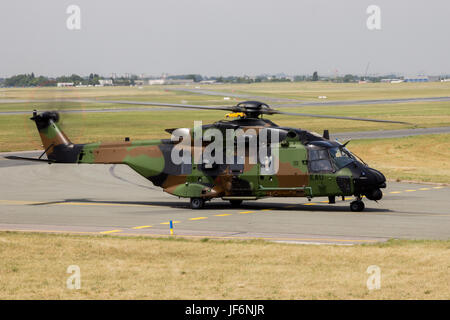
[198,218]
[410,190]
[424,189]
[395,192]
[245,212]
[267,209]
[141,227]
[169,222]
[438,187]
[309,204]
[223,215]
[110,231]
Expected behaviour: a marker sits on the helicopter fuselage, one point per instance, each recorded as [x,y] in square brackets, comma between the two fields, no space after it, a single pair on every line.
[309,165]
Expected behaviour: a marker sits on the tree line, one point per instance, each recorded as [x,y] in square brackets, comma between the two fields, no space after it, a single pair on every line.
[30,80]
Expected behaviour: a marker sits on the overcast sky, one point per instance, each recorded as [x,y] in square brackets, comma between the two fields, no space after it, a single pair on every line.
[224,37]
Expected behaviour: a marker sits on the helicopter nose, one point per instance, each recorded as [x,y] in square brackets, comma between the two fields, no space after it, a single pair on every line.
[376,178]
[370,182]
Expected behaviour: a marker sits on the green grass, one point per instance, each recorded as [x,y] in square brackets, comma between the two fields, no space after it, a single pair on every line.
[147,93]
[310,91]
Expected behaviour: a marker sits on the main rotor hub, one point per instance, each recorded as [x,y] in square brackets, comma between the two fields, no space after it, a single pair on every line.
[252,109]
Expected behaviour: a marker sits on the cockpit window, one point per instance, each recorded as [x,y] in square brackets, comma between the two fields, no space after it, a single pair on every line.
[319,160]
[341,157]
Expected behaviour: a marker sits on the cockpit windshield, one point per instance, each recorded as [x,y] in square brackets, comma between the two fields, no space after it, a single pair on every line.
[341,157]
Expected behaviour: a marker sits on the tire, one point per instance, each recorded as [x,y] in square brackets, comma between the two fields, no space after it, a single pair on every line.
[357,206]
[235,203]
[197,203]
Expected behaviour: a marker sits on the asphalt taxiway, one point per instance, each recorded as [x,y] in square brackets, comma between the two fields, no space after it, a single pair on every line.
[113,199]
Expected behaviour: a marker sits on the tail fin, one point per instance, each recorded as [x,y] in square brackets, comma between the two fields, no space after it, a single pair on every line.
[56,144]
[51,134]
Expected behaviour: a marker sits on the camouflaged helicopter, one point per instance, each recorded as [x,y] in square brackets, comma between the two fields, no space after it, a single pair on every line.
[309,165]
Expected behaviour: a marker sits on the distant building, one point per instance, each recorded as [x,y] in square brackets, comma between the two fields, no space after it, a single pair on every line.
[179,81]
[64,84]
[105,82]
[416,79]
[170,81]
[391,80]
[156,81]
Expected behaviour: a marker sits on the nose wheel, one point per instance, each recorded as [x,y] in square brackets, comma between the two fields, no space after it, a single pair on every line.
[357,206]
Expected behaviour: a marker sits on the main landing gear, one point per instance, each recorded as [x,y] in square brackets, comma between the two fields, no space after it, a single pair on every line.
[197,203]
[357,205]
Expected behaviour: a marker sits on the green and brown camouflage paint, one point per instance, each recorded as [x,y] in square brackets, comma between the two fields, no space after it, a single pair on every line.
[152,159]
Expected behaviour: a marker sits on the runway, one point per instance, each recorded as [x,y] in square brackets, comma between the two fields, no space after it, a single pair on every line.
[105,199]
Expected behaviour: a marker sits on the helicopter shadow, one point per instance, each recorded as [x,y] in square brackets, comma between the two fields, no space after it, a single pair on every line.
[224,205]
[277,206]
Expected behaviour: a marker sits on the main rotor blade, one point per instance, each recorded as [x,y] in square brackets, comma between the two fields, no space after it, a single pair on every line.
[332,117]
[225,108]
[145,103]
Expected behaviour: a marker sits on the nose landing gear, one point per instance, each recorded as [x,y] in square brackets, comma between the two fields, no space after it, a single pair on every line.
[357,205]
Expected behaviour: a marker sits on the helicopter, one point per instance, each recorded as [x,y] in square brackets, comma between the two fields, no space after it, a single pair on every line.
[308,164]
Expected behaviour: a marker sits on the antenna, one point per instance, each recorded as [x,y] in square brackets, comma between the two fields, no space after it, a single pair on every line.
[367,69]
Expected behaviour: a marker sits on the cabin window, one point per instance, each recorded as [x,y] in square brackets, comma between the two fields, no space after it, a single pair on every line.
[319,160]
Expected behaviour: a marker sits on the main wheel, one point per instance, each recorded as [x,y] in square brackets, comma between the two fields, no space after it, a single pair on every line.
[197,203]
[235,203]
[357,206]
